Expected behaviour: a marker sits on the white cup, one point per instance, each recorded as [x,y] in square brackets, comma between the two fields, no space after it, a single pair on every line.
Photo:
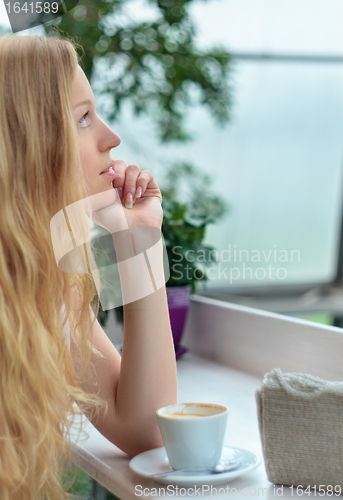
[193,433]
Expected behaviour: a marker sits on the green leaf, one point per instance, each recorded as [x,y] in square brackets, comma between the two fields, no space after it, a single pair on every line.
[154,65]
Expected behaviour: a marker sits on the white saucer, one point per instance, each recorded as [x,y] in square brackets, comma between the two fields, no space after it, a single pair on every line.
[156,461]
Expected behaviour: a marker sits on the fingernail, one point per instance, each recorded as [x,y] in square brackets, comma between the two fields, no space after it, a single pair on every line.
[139,192]
[129,200]
[120,192]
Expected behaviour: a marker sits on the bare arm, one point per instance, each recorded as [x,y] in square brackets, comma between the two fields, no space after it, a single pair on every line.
[142,380]
[145,379]
[148,378]
[148,370]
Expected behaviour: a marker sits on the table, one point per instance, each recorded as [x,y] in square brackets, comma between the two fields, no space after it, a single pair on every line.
[230,349]
[327,299]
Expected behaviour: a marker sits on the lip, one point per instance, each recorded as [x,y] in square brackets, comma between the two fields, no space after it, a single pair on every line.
[111,174]
[108,166]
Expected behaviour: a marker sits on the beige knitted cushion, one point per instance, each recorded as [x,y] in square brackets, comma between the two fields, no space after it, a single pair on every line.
[301,428]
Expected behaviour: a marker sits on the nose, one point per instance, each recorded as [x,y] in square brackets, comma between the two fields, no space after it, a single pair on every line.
[108,139]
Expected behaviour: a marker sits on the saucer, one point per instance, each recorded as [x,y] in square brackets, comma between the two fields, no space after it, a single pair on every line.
[156,461]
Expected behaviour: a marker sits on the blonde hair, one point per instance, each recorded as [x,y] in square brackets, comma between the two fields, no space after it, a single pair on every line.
[40,174]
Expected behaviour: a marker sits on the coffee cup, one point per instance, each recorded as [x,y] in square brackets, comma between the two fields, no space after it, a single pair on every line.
[193,433]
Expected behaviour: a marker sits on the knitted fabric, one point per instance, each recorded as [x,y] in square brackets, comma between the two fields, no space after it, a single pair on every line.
[301,427]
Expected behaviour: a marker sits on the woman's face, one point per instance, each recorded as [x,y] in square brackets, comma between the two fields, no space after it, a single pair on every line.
[95,138]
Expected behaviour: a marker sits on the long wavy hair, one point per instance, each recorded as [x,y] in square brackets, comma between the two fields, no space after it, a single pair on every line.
[40,174]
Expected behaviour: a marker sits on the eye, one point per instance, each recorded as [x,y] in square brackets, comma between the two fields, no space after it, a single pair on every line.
[82,123]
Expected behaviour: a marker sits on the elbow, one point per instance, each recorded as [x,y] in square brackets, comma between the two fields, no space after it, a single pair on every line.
[137,446]
[137,450]
[133,439]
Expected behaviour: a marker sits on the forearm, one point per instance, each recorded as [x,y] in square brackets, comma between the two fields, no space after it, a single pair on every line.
[148,378]
[148,368]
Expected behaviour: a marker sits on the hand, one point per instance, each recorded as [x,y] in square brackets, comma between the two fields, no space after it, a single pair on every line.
[146,207]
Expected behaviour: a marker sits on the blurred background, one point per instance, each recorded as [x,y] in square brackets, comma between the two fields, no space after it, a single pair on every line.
[249,93]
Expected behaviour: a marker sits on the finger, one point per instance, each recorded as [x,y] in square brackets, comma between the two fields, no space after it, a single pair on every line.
[147,185]
[120,171]
[132,173]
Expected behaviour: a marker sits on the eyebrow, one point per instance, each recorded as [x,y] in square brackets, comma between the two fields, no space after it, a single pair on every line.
[86,101]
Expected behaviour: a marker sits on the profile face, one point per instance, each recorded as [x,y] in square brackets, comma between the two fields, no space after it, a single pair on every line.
[95,138]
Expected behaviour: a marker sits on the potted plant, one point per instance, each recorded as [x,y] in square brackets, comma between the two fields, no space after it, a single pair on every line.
[188,207]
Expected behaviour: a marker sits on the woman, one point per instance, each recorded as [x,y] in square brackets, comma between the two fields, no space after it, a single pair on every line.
[53,148]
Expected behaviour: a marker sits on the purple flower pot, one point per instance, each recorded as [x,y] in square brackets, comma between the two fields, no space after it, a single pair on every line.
[178,298]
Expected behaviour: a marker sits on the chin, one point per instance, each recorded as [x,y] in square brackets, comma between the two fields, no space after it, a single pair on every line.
[105,187]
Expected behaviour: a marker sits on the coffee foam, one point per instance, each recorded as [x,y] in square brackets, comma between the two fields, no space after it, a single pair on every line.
[177,414]
[192,410]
